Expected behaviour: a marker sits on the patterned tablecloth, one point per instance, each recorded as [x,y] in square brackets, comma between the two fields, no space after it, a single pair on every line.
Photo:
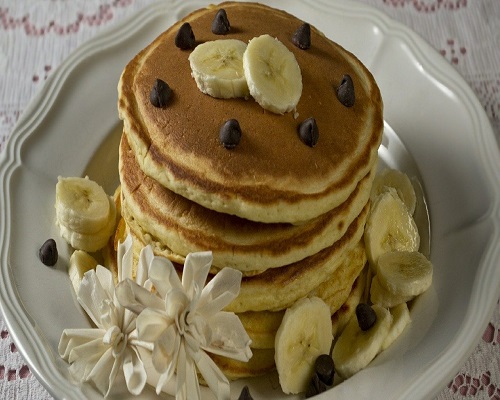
[36,36]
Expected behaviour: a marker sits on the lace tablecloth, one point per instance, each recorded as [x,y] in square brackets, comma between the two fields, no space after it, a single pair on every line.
[35,36]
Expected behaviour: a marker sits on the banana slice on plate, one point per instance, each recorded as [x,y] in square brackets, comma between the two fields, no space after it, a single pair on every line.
[81,204]
[90,242]
[399,181]
[217,68]
[79,263]
[400,319]
[381,296]
[404,273]
[389,227]
[85,214]
[304,334]
[272,74]
[356,348]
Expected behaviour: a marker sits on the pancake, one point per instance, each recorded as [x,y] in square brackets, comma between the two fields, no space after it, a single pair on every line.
[181,226]
[348,309]
[271,176]
[278,288]
[262,361]
[342,292]
[261,326]
[290,217]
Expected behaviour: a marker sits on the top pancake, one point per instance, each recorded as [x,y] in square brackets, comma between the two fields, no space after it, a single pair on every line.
[271,176]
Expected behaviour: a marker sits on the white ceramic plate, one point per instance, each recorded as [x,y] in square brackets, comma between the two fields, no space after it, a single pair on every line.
[71,128]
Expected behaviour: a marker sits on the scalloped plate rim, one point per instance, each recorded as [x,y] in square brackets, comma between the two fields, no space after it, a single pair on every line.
[13,310]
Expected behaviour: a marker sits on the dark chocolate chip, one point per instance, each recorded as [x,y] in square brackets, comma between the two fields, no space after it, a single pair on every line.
[220,24]
[245,394]
[302,36]
[325,369]
[230,134]
[160,93]
[309,132]
[366,316]
[345,91]
[185,39]
[48,253]
[316,386]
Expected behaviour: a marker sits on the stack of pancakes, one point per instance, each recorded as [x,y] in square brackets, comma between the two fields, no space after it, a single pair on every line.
[288,216]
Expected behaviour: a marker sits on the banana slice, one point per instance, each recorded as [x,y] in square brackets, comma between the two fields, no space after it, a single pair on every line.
[79,263]
[381,296]
[217,68]
[81,205]
[91,242]
[389,227]
[305,333]
[404,273]
[400,318]
[399,181]
[272,74]
[355,348]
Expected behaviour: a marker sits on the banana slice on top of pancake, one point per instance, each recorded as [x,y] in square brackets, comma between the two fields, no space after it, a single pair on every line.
[273,74]
[265,69]
[217,68]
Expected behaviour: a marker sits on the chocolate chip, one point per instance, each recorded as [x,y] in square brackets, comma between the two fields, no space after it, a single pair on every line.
[48,253]
[325,369]
[309,132]
[316,386]
[185,39]
[230,134]
[366,316]
[220,24]
[302,36]
[345,92]
[160,93]
[245,394]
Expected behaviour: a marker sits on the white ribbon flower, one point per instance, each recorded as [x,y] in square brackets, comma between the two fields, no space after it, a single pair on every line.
[98,354]
[183,320]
